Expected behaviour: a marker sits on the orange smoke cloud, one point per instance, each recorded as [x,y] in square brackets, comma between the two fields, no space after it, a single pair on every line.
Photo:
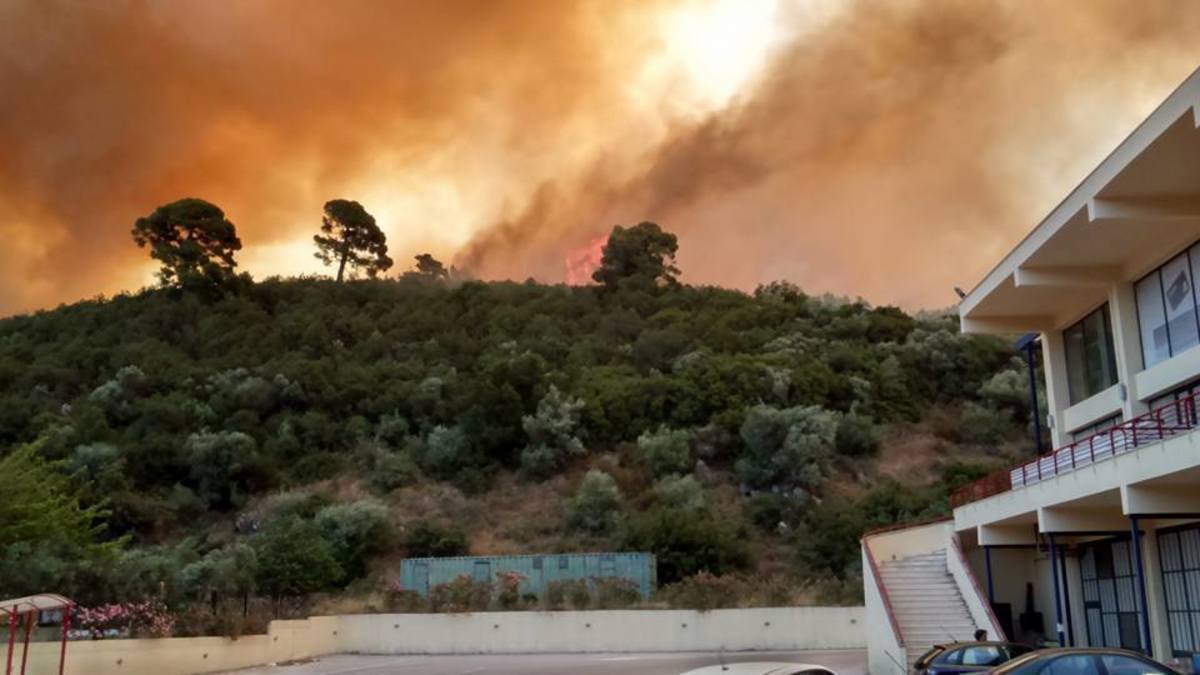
[890,150]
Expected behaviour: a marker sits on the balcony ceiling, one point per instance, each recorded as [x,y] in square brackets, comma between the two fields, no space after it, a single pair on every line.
[1134,211]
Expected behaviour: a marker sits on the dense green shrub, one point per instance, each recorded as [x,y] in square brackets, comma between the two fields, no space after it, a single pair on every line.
[295,559]
[552,433]
[984,425]
[596,506]
[856,436]
[685,543]
[679,492]
[354,531]
[666,451]
[430,540]
[786,448]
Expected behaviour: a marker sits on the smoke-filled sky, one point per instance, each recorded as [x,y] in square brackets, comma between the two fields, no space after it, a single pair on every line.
[889,149]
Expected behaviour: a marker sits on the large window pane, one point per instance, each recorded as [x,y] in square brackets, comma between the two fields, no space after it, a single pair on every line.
[1091,366]
[1152,320]
[1181,305]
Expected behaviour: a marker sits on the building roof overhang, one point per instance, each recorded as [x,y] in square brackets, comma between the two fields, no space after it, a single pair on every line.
[1138,207]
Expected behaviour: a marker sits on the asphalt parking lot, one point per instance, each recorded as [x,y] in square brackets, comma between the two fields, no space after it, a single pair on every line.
[850,662]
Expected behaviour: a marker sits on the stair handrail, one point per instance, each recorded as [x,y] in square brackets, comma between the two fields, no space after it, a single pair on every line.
[883,593]
[983,599]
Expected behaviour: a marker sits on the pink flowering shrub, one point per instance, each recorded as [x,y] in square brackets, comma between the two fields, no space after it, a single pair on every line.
[149,618]
[508,591]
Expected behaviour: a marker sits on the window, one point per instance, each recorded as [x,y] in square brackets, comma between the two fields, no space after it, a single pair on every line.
[989,655]
[1119,664]
[1111,606]
[1166,303]
[1096,427]
[1091,363]
[1179,556]
[1074,664]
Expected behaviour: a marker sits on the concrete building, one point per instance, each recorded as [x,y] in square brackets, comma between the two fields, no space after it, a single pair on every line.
[1096,542]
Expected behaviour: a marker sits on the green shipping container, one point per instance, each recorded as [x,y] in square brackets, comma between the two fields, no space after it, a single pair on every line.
[421,574]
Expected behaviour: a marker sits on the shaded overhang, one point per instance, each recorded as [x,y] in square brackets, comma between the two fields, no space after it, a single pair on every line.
[1139,207]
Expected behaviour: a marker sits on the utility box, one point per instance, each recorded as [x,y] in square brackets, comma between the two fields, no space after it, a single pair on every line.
[421,574]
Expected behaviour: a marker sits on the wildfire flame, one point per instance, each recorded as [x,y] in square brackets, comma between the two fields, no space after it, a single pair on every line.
[581,262]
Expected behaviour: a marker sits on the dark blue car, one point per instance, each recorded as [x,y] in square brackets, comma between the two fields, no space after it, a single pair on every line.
[1083,661]
[967,657]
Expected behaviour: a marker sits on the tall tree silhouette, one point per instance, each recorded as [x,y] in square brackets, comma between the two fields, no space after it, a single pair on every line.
[350,237]
[193,240]
[644,251]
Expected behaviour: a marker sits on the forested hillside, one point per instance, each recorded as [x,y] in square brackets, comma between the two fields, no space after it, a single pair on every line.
[222,444]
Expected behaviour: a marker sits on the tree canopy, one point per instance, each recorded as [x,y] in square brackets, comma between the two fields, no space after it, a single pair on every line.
[193,240]
[644,252]
[350,238]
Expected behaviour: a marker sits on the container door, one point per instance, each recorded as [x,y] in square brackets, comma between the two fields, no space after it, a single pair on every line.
[421,578]
[482,571]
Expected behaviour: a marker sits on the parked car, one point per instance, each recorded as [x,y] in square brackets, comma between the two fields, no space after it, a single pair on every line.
[967,657]
[762,668]
[1083,661]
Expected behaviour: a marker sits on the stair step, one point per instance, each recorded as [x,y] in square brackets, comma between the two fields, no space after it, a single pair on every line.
[927,602]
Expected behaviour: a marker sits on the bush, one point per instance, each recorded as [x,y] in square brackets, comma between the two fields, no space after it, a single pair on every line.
[786,449]
[614,593]
[463,594]
[856,436]
[430,540]
[596,507]
[984,425]
[354,531]
[294,559]
[665,451]
[447,450]
[680,492]
[508,589]
[391,470]
[775,513]
[552,433]
[701,591]
[568,593]
[686,543]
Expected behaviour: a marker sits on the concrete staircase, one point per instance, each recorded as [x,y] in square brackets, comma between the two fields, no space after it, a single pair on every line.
[928,606]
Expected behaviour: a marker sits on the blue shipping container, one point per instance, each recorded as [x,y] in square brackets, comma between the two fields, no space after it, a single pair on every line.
[420,574]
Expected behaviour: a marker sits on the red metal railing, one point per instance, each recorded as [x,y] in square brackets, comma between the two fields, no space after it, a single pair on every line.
[1159,424]
[997,627]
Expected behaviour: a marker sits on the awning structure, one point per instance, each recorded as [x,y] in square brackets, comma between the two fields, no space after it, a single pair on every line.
[26,611]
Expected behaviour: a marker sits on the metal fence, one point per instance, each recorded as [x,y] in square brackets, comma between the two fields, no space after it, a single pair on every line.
[1172,419]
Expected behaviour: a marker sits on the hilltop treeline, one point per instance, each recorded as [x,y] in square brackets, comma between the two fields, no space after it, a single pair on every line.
[172,412]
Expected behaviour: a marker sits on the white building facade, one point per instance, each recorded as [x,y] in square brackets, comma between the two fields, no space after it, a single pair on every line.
[1096,542]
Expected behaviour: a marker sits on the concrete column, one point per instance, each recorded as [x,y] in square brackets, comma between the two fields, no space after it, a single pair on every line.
[1127,346]
[1156,603]
[1139,567]
[1058,399]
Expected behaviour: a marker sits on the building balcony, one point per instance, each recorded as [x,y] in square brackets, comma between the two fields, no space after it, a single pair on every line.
[1162,423]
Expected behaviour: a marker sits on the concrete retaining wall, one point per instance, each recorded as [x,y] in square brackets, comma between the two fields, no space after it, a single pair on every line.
[784,628]
[284,641]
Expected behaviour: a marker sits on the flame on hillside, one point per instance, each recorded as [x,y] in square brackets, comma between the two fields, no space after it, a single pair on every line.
[581,262]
